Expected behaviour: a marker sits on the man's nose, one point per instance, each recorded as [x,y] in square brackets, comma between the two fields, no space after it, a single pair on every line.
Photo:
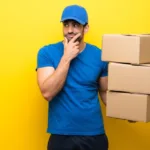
[70,29]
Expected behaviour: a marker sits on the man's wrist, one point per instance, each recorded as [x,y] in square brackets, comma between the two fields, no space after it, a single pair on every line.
[65,60]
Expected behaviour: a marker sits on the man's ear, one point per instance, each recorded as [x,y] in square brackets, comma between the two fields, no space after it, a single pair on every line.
[86,28]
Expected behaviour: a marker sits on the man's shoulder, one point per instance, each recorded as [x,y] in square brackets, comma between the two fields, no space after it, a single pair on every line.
[94,48]
[50,47]
[96,52]
[56,45]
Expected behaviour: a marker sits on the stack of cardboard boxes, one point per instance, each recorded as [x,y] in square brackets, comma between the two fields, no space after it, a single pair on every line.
[128,95]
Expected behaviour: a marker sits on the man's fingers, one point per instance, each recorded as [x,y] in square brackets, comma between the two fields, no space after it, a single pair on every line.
[76,43]
[75,37]
[77,47]
[65,41]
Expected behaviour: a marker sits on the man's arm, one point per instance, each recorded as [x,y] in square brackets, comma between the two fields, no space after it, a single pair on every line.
[103,83]
[51,81]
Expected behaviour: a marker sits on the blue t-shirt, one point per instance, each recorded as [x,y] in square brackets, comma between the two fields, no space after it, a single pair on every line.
[76,110]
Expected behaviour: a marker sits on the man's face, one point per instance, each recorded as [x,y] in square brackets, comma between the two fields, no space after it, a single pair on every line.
[71,28]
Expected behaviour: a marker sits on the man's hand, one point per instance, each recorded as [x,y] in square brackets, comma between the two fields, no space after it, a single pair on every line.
[71,48]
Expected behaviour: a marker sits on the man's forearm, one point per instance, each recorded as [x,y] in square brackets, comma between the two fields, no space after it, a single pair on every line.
[103,96]
[54,83]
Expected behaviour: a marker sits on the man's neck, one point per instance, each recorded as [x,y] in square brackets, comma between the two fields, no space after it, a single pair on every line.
[82,46]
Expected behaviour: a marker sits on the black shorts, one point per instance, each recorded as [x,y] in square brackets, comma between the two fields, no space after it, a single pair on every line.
[67,142]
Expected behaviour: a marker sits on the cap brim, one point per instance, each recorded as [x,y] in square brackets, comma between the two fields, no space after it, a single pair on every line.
[73,18]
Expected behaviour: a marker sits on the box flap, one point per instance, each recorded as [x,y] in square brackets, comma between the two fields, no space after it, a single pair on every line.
[147,65]
[140,35]
[114,63]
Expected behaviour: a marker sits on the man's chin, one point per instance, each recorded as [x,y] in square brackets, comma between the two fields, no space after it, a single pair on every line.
[68,38]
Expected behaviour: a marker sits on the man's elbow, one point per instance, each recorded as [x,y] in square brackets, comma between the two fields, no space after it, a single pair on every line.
[103,97]
[47,96]
[102,93]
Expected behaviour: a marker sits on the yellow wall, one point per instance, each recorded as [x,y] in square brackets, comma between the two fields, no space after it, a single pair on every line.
[25,26]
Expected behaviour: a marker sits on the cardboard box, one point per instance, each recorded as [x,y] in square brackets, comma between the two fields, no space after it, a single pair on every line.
[135,107]
[129,78]
[134,49]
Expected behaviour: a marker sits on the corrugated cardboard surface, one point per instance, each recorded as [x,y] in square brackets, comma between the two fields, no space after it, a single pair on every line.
[129,78]
[135,107]
[134,49]
[148,108]
[144,49]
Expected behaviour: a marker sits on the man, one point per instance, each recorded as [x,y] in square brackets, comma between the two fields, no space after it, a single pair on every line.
[70,74]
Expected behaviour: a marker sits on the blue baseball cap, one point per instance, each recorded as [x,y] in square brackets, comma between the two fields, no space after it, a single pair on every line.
[75,12]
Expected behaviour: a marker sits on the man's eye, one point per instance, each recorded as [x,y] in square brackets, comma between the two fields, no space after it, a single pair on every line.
[66,25]
[76,25]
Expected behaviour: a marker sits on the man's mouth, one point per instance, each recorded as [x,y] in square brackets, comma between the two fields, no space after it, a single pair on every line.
[70,35]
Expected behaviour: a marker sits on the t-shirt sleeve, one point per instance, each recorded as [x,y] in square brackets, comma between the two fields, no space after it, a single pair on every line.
[43,59]
[104,69]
